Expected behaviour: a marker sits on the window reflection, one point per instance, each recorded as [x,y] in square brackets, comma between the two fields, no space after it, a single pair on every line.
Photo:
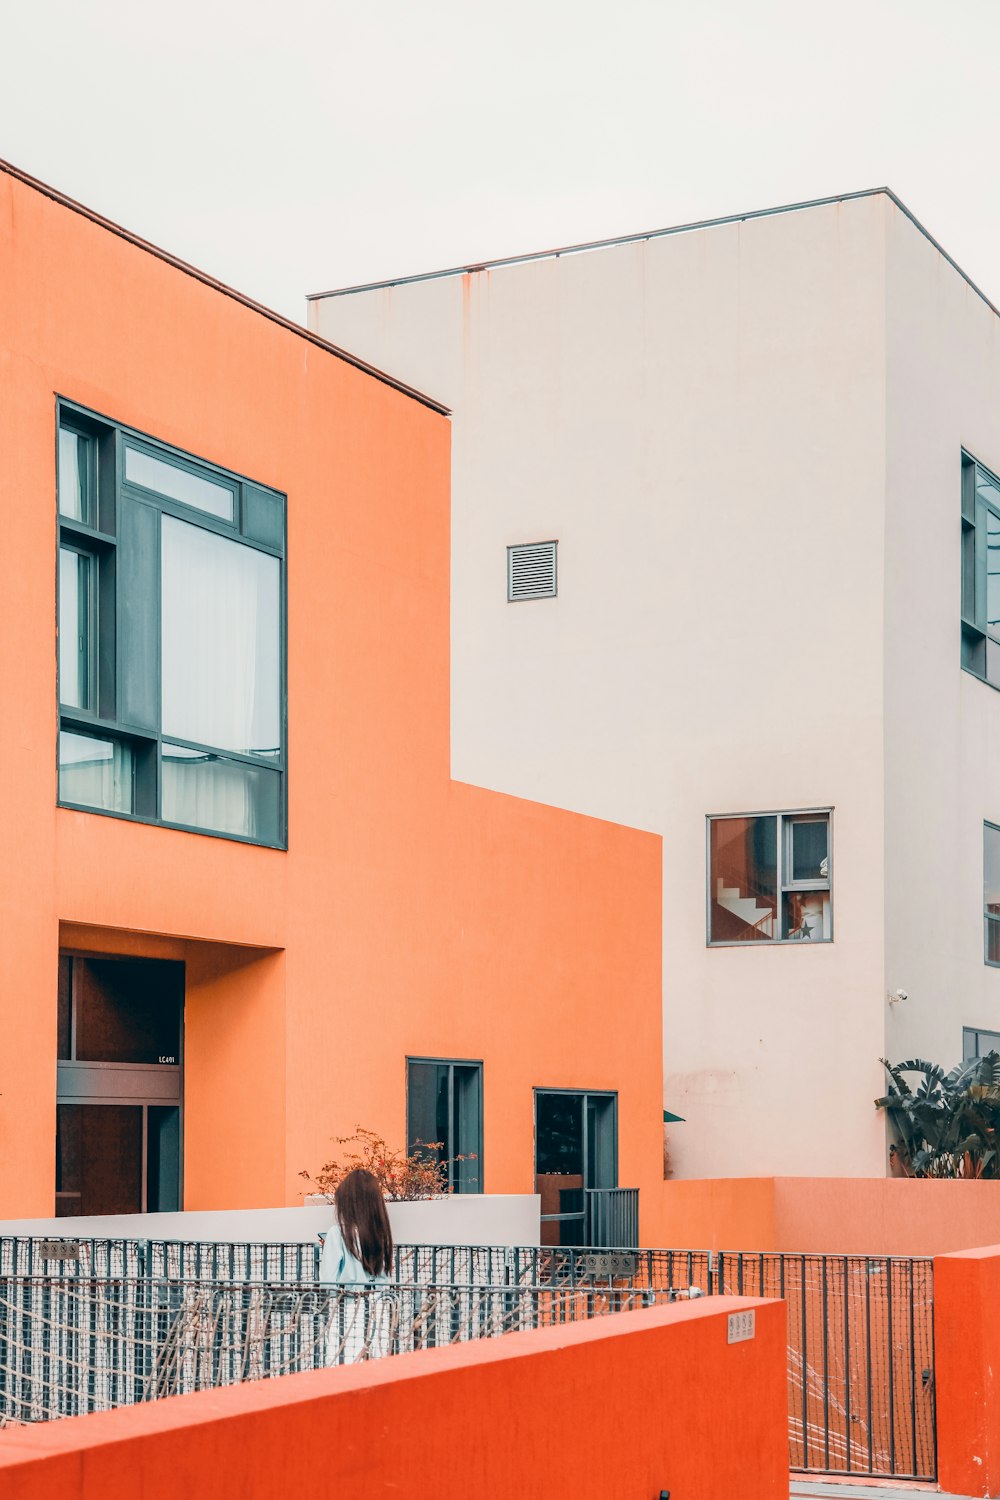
[75,581]
[76,475]
[201,790]
[94,772]
[744,879]
[179,484]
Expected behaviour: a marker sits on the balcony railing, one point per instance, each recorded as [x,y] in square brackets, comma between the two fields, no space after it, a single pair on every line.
[612,1217]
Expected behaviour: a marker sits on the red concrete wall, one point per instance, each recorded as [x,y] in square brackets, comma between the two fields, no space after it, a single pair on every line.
[831,1215]
[622,1406]
[410,913]
[967,1370]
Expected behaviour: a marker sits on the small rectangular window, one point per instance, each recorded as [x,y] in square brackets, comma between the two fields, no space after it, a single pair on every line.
[444,1118]
[95,772]
[769,878]
[77,600]
[531,571]
[77,476]
[977,1043]
[175,483]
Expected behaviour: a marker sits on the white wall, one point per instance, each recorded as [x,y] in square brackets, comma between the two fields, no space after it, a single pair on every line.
[942,725]
[699,419]
[461,1219]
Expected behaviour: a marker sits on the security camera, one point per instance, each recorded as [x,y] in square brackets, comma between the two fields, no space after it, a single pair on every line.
[895,996]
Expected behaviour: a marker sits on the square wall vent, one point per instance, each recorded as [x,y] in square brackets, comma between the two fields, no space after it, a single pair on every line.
[531,571]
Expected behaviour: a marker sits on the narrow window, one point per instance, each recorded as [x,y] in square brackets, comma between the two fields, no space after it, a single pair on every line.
[444,1118]
[769,878]
[980,571]
[991,892]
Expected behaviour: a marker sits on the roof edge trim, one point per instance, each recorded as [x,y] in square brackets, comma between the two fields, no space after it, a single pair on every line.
[9,170]
[655,234]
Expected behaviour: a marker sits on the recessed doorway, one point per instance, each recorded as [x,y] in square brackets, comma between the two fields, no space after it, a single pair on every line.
[119,1090]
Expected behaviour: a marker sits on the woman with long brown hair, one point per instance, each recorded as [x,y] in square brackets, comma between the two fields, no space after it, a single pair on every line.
[357,1255]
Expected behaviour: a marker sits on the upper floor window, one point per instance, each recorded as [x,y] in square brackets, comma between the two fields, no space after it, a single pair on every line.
[976,1043]
[444,1118]
[980,571]
[171,636]
[769,878]
[991,892]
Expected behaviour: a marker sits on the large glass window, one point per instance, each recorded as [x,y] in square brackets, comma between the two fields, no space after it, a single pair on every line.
[980,571]
[171,636]
[769,878]
[444,1118]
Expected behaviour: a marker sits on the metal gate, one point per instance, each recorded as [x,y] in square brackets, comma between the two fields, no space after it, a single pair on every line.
[860,1357]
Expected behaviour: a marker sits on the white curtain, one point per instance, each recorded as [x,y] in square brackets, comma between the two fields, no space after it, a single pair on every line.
[220,647]
[220,640]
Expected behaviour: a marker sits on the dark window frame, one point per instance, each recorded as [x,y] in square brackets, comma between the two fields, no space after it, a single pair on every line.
[980,655]
[451,1063]
[988,917]
[785,818]
[105,720]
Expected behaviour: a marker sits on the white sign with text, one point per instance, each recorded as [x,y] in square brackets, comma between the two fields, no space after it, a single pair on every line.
[742,1326]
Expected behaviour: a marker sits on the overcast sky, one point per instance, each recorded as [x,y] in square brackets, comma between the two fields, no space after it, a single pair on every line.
[296,146]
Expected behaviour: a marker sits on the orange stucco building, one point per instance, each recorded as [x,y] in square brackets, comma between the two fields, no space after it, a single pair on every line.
[360,908]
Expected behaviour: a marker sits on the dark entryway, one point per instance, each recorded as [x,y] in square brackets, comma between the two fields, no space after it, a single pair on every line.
[119,1088]
[576,1150]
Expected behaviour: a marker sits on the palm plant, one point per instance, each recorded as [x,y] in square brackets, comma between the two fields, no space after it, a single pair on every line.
[948,1124]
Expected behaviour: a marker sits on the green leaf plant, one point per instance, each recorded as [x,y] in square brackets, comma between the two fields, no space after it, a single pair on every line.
[945,1124]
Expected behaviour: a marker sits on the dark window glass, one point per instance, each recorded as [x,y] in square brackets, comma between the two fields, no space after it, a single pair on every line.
[64,1031]
[575,1150]
[127,1011]
[163,1158]
[98,1159]
[444,1104]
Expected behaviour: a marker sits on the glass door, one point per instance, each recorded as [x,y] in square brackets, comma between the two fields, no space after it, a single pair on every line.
[576,1148]
[119,1086]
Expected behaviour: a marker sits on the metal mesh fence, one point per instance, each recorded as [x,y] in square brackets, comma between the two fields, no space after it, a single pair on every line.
[91,1344]
[860,1328]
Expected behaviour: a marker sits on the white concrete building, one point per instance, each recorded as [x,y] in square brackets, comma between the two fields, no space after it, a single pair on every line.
[746,438]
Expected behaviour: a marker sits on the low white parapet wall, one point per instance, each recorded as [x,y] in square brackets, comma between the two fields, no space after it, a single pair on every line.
[459,1219]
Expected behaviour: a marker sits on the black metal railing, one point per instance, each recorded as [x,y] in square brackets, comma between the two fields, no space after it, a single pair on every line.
[612,1217]
[860,1328]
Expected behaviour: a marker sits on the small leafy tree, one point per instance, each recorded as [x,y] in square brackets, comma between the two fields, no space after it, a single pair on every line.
[401,1177]
[947,1124]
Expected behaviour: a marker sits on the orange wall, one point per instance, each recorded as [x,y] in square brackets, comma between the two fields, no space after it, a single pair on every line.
[624,1405]
[411,914]
[967,1370]
[835,1215]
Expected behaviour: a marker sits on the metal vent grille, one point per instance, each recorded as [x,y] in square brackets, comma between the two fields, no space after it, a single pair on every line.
[531,571]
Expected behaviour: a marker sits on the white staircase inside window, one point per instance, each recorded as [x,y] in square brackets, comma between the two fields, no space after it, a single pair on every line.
[731,899]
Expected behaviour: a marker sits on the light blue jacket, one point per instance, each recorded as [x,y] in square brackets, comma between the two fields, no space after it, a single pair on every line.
[338,1267]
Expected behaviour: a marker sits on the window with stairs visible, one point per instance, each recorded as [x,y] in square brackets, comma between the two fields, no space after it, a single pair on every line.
[769,878]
